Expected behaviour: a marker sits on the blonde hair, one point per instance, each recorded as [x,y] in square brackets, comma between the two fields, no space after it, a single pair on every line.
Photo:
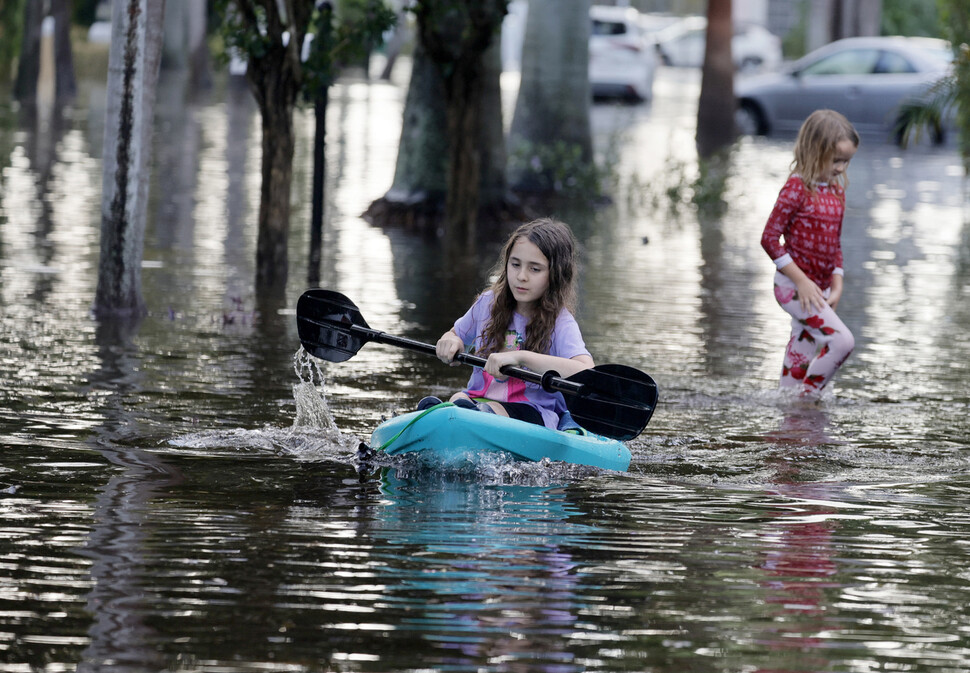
[554,240]
[816,145]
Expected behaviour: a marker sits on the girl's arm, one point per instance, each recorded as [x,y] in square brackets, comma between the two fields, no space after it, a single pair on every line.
[790,200]
[540,363]
[836,291]
[809,294]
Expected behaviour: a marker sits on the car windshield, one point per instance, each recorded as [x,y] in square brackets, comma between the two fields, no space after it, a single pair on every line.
[849,62]
[891,63]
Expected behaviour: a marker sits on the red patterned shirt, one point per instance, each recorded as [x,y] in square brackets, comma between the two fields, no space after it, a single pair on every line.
[811,225]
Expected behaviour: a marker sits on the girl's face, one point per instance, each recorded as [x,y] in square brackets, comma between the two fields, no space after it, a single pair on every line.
[527,272]
[844,151]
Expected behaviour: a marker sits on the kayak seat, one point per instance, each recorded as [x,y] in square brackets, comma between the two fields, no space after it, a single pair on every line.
[428,402]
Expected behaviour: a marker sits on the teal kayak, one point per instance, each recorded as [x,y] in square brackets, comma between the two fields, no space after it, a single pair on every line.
[448,432]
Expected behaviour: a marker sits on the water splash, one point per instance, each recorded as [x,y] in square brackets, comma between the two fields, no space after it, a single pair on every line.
[312,408]
[313,436]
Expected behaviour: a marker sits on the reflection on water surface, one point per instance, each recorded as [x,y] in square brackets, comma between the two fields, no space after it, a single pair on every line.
[177,495]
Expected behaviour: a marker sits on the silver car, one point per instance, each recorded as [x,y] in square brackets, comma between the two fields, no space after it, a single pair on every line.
[864,78]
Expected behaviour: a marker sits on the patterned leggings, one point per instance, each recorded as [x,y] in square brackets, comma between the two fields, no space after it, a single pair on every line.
[820,342]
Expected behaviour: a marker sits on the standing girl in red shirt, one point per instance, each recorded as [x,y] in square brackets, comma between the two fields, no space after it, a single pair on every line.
[808,282]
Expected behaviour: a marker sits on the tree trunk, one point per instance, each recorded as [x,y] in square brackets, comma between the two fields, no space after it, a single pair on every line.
[422,160]
[416,198]
[65,88]
[494,188]
[174,54]
[464,176]
[477,186]
[856,18]
[198,48]
[715,112]
[554,94]
[275,76]
[28,68]
[831,20]
[274,203]
[321,97]
[451,160]
[185,46]
[319,184]
[133,64]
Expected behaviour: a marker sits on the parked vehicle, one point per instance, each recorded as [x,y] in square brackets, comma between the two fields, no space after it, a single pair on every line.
[753,47]
[864,78]
[622,58]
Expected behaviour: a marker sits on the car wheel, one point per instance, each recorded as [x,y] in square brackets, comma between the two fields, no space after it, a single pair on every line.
[750,120]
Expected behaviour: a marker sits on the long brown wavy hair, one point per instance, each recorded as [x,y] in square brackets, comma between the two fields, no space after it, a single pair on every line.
[556,242]
[816,144]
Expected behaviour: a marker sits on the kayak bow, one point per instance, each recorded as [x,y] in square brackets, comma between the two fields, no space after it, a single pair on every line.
[449,433]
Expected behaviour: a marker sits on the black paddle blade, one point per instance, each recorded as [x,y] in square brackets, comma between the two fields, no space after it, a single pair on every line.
[615,401]
[325,321]
[619,382]
[608,417]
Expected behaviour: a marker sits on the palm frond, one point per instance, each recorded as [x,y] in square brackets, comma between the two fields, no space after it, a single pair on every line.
[927,112]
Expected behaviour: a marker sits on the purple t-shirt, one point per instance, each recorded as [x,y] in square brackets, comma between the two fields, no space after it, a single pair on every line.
[567,342]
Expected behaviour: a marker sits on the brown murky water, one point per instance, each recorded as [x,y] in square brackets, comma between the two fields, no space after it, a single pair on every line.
[173,497]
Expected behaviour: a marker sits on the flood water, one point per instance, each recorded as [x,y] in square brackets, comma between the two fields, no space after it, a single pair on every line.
[183,494]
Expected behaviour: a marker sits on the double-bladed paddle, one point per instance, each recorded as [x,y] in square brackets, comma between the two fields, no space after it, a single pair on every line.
[610,400]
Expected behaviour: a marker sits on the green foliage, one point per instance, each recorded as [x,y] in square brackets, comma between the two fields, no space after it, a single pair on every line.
[236,33]
[794,43]
[899,17]
[359,30]
[682,186]
[340,35]
[915,116]
[911,17]
[361,25]
[559,169]
[11,32]
[951,92]
[711,184]
[956,19]
[84,12]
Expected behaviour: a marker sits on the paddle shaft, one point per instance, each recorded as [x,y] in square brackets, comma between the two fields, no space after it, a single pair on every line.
[550,380]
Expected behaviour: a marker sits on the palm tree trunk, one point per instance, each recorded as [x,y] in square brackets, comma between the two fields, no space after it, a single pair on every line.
[715,112]
[553,105]
[451,160]
[274,202]
[464,178]
[28,68]
[65,87]
[133,63]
